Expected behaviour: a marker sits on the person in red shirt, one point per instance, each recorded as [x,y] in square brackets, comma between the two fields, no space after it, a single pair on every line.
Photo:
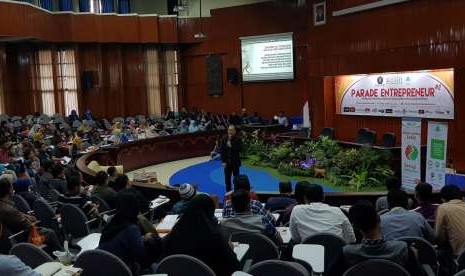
[5,152]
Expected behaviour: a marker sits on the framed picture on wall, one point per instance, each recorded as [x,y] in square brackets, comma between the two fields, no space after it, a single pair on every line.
[319,13]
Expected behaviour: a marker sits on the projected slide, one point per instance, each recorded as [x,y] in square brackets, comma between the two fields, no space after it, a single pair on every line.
[267,57]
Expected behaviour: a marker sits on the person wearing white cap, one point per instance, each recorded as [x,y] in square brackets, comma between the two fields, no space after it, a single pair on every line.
[187,192]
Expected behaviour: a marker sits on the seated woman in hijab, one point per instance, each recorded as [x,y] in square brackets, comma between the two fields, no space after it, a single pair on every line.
[122,236]
[198,234]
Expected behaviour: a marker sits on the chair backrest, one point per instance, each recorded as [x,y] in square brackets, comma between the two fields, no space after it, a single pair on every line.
[378,268]
[100,262]
[180,265]
[333,247]
[426,251]
[261,248]
[103,205]
[388,140]
[369,138]
[460,273]
[360,135]
[30,254]
[54,195]
[278,268]
[21,203]
[44,212]
[461,261]
[327,132]
[74,221]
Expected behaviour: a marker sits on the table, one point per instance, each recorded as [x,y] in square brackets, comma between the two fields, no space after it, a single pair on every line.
[285,234]
[312,254]
[167,223]
[241,249]
[89,242]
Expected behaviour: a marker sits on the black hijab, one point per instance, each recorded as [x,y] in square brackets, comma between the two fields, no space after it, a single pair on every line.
[196,223]
[127,209]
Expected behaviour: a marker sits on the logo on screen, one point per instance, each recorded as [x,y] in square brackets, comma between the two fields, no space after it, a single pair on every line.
[411,152]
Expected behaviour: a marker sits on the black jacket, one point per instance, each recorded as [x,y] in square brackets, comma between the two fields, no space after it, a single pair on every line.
[231,155]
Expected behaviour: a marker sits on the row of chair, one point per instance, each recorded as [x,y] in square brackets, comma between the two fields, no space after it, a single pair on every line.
[365,136]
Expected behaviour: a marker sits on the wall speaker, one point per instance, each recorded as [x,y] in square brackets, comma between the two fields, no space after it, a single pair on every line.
[88,80]
[233,75]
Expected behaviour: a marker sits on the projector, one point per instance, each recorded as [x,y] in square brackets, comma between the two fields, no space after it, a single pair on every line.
[181,8]
[200,35]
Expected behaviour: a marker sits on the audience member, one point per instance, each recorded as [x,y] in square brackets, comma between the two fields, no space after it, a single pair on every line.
[282,120]
[450,220]
[392,183]
[198,234]
[74,196]
[318,217]
[244,221]
[103,190]
[12,265]
[121,182]
[122,236]
[300,197]
[112,175]
[187,192]
[423,195]
[282,201]
[44,187]
[373,246]
[399,222]
[14,221]
[241,181]
[58,181]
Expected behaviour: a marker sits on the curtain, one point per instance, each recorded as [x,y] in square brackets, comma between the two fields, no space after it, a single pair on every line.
[152,76]
[66,5]
[67,80]
[84,5]
[2,79]
[47,4]
[44,80]
[171,79]
[108,6]
[124,7]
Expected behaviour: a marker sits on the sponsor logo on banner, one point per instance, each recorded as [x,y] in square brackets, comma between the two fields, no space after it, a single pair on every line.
[436,154]
[411,154]
[429,94]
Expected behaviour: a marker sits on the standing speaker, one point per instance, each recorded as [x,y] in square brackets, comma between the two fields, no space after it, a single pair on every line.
[214,75]
[233,75]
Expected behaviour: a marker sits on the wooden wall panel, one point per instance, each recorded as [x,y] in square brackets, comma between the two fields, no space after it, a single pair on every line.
[168,29]
[23,21]
[90,59]
[135,97]
[119,29]
[17,85]
[148,29]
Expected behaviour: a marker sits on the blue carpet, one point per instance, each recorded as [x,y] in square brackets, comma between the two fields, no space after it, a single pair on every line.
[209,178]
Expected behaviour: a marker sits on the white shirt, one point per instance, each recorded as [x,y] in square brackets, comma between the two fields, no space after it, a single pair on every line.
[314,218]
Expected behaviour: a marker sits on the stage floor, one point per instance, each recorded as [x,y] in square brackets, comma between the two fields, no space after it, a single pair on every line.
[208,176]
